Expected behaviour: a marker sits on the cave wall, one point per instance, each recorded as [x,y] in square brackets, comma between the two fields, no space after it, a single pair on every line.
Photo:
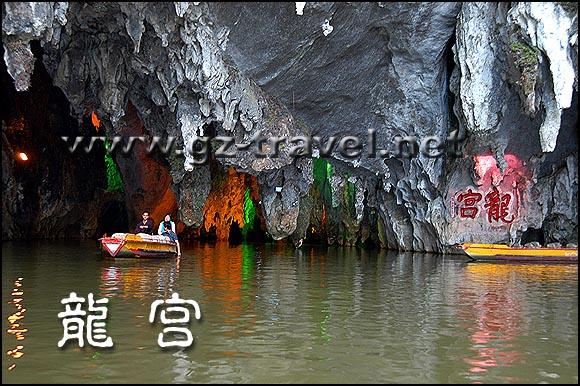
[146,179]
[516,88]
[54,194]
[501,77]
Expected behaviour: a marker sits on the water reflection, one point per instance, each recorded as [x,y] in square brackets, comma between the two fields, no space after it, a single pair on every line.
[271,314]
[228,280]
[138,278]
[526,271]
[492,299]
[494,311]
[16,325]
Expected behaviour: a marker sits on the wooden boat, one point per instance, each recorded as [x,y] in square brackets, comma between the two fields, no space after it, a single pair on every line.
[138,245]
[501,252]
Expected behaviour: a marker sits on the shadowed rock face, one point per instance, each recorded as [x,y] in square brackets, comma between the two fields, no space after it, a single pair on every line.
[53,193]
[474,71]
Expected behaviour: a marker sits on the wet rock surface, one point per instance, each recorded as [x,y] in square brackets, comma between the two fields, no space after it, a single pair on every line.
[492,75]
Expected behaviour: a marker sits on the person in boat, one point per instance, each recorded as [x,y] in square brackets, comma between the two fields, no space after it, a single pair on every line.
[167,228]
[146,225]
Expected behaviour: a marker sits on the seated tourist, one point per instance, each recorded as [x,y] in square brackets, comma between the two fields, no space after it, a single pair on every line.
[145,226]
[167,228]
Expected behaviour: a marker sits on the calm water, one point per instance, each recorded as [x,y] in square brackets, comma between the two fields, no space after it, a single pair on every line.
[270,315]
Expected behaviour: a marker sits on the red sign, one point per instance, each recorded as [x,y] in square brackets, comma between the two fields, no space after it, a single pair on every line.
[469,199]
[496,205]
[113,246]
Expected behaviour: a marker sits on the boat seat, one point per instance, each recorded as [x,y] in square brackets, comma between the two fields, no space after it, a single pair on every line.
[143,236]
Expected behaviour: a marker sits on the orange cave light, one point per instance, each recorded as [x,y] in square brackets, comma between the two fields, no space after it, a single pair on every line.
[95,121]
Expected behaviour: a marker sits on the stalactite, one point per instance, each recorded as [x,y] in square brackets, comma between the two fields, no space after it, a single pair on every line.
[228,203]
[349,195]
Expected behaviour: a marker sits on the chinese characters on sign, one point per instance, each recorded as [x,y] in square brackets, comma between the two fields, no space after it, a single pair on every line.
[174,306]
[469,199]
[73,321]
[496,205]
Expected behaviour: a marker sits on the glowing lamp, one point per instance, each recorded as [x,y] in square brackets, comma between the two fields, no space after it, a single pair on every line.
[22,156]
[95,121]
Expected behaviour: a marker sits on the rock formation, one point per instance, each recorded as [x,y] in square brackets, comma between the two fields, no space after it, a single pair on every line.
[497,83]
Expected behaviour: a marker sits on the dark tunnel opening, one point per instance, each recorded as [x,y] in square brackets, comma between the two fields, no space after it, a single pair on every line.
[113,218]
